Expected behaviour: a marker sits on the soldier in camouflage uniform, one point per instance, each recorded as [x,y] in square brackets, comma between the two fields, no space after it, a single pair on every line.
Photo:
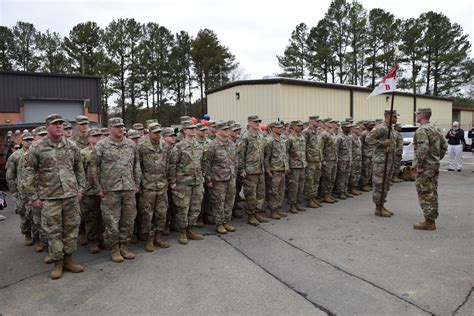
[105,132]
[90,203]
[135,136]
[211,132]
[276,168]
[206,209]
[329,162]
[344,159]
[67,130]
[54,180]
[312,137]
[430,148]
[169,140]
[186,182]
[14,175]
[398,153]
[153,159]
[251,169]
[139,128]
[356,166]
[384,149]
[116,175]
[367,153]
[220,174]
[235,136]
[296,151]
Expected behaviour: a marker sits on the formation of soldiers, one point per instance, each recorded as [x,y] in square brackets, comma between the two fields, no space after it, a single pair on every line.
[110,188]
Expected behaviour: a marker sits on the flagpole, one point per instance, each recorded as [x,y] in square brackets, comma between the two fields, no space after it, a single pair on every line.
[384,176]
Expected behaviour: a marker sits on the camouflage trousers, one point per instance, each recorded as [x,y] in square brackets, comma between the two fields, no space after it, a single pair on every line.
[295,185]
[254,192]
[155,206]
[187,200]
[206,208]
[366,174]
[356,169]
[222,200]
[60,219]
[427,188]
[91,217]
[26,217]
[312,178]
[38,231]
[342,177]
[118,210]
[396,165]
[378,168]
[328,176]
[275,189]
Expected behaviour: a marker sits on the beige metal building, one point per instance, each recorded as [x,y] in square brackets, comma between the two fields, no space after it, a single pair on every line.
[287,99]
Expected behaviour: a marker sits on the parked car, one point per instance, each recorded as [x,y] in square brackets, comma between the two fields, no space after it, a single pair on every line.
[408,132]
[467,143]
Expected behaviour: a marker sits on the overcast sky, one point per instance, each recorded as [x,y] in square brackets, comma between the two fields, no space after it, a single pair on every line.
[255,31]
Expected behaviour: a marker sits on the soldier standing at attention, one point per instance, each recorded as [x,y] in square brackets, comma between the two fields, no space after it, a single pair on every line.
[430,148]
[367,153]
[54,181]
[312,137]
[153,159]
[329,162]
[234,135]
[139,128]
[251,169]
[206,209]
[344,158]
[296,151]
[116,176]
[356,166]
[398,153]
[378,138]
[186,183]
[220,174]
[67,129]
[276,168]
[81,138]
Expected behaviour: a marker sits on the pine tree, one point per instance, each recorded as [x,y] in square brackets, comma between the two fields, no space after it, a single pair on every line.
[6,48]
[25,47]
[293,61]
[52,55]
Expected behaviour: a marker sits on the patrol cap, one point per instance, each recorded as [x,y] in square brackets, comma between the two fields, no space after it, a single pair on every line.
[327,119]
[297,122]
[333,121]
[254,118]
[236,127]
[378,121]
[67,125]
[82,119]
[133,134]
[105,131]
[138,126]
[168,131]
[347,125]
[94,132]
[10,133]
[149,122]
[222,125]
[275,125]
[349,118]
[27,136]
[423,110]
[53,118]
[314,117]
[387,112]
[188,125]
[201,127]
[211,123]
[40,130]
[230,122]
[155,127]
[116,122]
[184,118]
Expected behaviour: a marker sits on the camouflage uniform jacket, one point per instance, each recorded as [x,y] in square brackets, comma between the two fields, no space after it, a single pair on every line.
[313,144]
[153,160]
[53,171]
[115,165]
[367,150]
[328,146]
[13,170]
[251,153]
[296,151]
[356,149]
[377,137]
[86,155]
[80,141]
[344,147]
[275,155]
[430,147]
[202,142]
[398,143]
[221,160]
[186,163]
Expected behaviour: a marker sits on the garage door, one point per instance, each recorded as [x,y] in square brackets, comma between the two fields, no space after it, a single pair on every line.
[37,110]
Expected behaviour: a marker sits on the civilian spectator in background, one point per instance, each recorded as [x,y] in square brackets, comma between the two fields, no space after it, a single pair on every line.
[455,138]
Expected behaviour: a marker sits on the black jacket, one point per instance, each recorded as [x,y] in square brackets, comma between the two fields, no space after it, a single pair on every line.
[455,137]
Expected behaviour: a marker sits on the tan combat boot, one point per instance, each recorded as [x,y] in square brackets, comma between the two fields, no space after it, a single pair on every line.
[387,211]
[300,208]
[379,211]
[354,192]
[38,246]
[71,266]
[116,256]
[160,242]
[252,220]
[396,179]
[127,254]
[349,195]
[343,196]
[94,247]
[167,229]
[333,198]
[193,235]
[182,237]
[221,229]
[428,224]
[275,215]
[82,240]
[281,213]
[316,202]
[229,228]
[57,271]
[365,188]
[260,218]
[327,199]
[47,258]
[28,239]
[150,247]
[293,209]
[311,203]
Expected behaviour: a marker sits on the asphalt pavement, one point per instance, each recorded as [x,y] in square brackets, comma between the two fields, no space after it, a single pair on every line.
[339,260]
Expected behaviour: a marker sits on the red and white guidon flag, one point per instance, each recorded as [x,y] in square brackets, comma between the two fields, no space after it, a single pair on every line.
[388,84]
